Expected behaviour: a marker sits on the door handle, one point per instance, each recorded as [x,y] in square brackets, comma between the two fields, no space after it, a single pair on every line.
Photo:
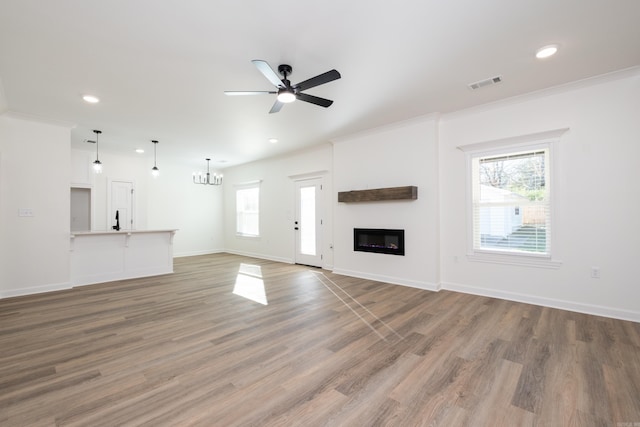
[295,228]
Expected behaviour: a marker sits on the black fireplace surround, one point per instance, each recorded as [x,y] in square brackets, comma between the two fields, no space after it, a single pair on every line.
[378,240]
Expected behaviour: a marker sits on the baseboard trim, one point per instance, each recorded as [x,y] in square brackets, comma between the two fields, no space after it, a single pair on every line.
[389,279]
[260,256]
[35,290]
[596,310]
[197,253]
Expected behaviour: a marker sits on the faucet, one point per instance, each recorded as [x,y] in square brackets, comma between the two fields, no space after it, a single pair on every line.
[117,226]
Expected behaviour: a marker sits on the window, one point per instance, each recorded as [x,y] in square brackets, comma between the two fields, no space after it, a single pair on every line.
[248,210]
[509,199]
[511,202]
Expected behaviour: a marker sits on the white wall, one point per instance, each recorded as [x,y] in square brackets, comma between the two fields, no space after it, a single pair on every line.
[277,203]
[595,197]
[34,174]
[174,201]
[398,155]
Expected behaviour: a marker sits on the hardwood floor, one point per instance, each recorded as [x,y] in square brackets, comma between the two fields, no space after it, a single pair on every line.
[184,349]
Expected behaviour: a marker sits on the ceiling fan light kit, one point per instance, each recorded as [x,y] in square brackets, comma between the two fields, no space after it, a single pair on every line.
[286,96]
[286,92]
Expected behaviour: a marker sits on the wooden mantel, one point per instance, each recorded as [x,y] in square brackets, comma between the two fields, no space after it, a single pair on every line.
[379,194]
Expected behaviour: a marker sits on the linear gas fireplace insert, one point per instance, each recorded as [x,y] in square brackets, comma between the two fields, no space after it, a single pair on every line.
[378,240]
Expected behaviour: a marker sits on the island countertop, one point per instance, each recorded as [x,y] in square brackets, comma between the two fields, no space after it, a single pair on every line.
[99,232]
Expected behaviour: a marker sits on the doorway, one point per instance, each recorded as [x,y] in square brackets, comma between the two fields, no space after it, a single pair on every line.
[121,202]
[308,222]
[80,209]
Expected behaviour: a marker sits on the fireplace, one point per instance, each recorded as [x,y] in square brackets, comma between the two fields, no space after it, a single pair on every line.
[378,240]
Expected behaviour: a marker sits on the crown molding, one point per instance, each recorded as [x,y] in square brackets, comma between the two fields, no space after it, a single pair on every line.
[388,127]
[37,119]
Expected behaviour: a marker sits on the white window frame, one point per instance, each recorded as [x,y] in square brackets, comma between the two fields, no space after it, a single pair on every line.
[242,187]
[537,141]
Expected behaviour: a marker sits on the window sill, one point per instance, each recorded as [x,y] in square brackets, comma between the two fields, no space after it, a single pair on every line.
[513,259]
[247,236]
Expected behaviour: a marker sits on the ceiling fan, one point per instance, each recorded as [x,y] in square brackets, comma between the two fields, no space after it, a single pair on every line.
[285,90]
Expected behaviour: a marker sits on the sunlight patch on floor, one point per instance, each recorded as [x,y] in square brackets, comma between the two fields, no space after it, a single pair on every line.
[249,284]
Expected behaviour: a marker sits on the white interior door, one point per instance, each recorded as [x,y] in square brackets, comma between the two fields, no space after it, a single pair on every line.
[122,202]
[308,222]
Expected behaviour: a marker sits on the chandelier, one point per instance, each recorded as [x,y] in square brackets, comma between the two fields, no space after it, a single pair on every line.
[207,179]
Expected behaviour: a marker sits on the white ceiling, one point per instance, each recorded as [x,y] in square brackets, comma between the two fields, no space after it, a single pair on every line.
[160,67]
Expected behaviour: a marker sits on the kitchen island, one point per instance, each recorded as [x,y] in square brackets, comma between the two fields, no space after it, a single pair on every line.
[104,256]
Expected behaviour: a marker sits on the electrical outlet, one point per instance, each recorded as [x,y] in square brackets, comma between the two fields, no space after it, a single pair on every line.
[25,212]
[595,272]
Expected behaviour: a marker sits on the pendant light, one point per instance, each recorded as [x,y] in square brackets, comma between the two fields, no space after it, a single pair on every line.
[154,170]
[97,164]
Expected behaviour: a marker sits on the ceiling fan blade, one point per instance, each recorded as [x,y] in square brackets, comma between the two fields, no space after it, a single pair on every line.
[327,77]
[276,107]
[268,72]
[233,93]
[314,100]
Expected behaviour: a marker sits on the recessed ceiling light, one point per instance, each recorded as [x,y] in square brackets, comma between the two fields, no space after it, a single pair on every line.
[91,99]
[139,150]
[547,51]
[273,140]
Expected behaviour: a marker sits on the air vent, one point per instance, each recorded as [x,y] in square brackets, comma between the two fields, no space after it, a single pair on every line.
[485,82]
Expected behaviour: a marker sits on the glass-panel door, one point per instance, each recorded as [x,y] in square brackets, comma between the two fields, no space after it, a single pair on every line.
[307,224]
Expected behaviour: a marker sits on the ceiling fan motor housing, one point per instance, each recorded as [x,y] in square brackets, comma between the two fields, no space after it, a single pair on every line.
[285,70]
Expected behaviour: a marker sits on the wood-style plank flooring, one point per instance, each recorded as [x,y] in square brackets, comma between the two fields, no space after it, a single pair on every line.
[325,350]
